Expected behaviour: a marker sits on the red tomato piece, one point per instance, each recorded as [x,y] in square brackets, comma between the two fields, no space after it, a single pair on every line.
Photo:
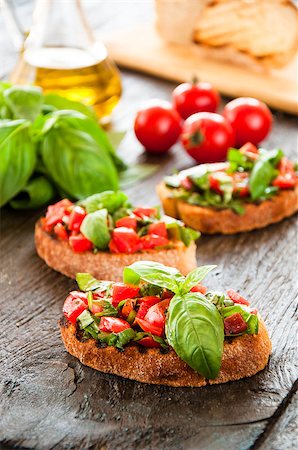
[237,298]
[158,228]
[79,243]
[96,308]
[145,304]
[113,247]
[285,165]
[156,314]
[148,327]
[191,98]
[214,183]
[186,183]
[126,240]
[127,308]
[152,240]
[145,212]
[56,212]
[142,311]
[123,291]
[76,217]
[241,183]
[128,222]
[234,324]
[286,181]
[60,231]
[199,288]
[250,150]
[73,307]
[80,295]
[113,324]
[148,341]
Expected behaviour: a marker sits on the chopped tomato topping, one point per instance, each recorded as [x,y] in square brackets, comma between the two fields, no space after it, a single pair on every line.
[127,308]
[285,181]
[199,288]
[250,150]
[127,222]
[73,306]
[158,228]
[156,314]
[241,183]
[186,183]
[113,247]
[214,183]
[60,231]
[113,324]
[123,291]
[79,243]
[145,212]
[148,341]
[76,217]
[234,324]
[237,298]
[126,240]
[285,165]
[152,240]
[56,212]
[96,308]
[145,304]
[148,327]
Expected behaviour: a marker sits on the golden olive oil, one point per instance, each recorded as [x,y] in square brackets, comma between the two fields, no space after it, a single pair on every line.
[85,76]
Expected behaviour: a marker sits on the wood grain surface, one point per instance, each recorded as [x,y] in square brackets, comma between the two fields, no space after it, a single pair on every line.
[49,400]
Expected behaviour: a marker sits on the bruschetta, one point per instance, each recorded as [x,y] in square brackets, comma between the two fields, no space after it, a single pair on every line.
[252,189]
[103,234]
[160,327]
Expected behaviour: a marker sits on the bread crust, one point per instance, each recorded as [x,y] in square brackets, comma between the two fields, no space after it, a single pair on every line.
[225,221]
[104,265]
[243,356]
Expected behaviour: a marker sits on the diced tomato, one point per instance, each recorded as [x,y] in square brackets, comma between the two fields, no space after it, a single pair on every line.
[123,291]
[142,311]
[234,324]
[113,324]
[254,312]
[145,212]
[80,295]
[149,300]
[148,341]
[56,212]
[127,308]
[156,314]
[60,231]
[96,308]
[126,240]
[237,298]
[128,222]
[76,217]
[73,307]
[113,247]
[285,165]
[286,181]
[79,243]
[152,240]
[214,183]
[158,228]
[186,183]
[241,183]
[98,295]
[167,294]
[148,327]
[199,288]
[250,150]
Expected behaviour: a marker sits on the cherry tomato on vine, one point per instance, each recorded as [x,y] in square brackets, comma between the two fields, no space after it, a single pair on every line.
[191,98]
[250,119]
[157,126]
[207,137]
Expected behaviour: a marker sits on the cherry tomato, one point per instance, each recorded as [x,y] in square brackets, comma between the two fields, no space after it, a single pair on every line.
[148,327]
[123,291]
[80,243]
[207,137]
[158,228]
[157,126]
[128,222]
[234,324]
[251,120]
[113,325]
[76,217]
[60,231]
[191,98]
[74,306]
[237,298]
[199,288]
[126,240]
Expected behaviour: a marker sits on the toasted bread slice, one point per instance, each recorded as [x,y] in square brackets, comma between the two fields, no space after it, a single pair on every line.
[225,221]
[243,356]
[105,265]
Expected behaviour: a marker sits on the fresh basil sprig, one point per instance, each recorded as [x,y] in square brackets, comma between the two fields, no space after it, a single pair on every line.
[95,228]
[87,282]
[263,172]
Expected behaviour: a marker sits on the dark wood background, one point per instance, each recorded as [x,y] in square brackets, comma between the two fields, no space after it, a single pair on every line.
[50,401]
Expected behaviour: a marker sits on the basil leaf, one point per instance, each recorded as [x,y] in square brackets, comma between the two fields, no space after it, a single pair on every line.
[194,328]
[195,277]
[24,102]
[91,331]
[55,101]
[37,192]
[251,319]
[95,228]
[107,308]
[17,157]
[263,172]
[117,340]
[85,319]
[148,290]
[87,282]
[238,160]
[141,335]
[155,273]
[111,200]
[188,235]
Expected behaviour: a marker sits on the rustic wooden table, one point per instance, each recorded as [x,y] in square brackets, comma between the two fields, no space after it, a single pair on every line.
[50,401]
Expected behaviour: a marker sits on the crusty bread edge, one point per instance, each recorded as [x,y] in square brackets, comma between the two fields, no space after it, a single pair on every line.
[243,356]
[104,265]
[225,221]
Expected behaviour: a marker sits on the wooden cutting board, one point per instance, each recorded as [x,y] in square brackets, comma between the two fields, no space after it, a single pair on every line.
[142,49]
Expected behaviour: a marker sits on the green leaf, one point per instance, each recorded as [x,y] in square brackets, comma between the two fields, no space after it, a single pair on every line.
[85,319]
[194,328]
[107,308]
[178,231]
[110,200]
[238,161]
[58,102]
[263,172]
[195,277]
[116,137]
[117,340]
[87,282]
[95,228]
[155,273]
[251,319]
[141,335]
[37,192]
[17,157]
[24,102]
[188,235]
[137,172]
